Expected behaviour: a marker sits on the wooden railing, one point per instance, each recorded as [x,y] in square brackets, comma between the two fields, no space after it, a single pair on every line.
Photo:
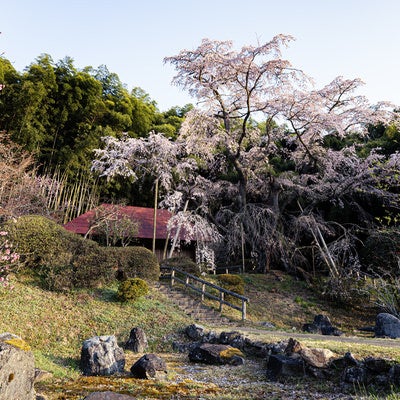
[200,286]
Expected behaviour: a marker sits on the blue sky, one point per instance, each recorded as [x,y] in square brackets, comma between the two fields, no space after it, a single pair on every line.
[353,38]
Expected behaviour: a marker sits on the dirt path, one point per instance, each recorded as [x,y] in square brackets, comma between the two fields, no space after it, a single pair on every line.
[264,334]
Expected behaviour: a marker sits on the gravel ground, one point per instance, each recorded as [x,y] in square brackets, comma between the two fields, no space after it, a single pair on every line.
[249,382]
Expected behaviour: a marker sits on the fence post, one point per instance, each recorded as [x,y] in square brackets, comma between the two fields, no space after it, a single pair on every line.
[243,309]
[203,290]
[186,282]
[221,300]
[172,277]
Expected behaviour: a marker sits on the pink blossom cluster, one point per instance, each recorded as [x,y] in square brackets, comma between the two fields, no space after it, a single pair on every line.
[8,258]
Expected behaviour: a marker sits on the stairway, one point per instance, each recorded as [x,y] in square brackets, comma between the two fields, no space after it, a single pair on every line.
[193,307]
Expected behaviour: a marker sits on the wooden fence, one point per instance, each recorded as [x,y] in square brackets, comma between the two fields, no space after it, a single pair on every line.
[203,287]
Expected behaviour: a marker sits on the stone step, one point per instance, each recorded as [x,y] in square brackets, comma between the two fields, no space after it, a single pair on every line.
[191,306]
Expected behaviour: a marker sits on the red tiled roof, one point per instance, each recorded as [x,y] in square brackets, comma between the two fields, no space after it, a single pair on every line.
[143,215]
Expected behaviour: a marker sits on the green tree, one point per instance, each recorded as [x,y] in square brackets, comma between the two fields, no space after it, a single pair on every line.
[170,121]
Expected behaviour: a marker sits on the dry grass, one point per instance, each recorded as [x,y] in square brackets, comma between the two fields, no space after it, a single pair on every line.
[288,304]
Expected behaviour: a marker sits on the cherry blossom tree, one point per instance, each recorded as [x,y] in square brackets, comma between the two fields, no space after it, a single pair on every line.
[8,261]
[258,176]
[154,156]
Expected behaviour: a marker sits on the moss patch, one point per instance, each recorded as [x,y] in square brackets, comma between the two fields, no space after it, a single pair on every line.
[19,344]
[230,352]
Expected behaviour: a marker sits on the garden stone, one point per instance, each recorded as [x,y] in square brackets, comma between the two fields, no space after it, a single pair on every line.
[322,325]
[377,365]
[277,348]
[137,341]
[237,360]
[194,331]
[101,355]
[279,365]
[184,347]
[310,328]
[319,358]
[215,354]
[387,325]
[394,375]
[234,339]
[255,349]
[17,371]
[149,366]
[267,324]
[293,346]
[347,360]
[354,375]
[210,337]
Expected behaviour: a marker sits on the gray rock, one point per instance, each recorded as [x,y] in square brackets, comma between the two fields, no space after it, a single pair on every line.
[149,366]
[347,360]
[394,375]
[267,324]
[277,348]
[210,337]
[279,365]
[194,331]
[101,355]
[322,325]
[210,353]
[237,360]
[184,347]
[17,372]
[137,341]
[234,339]
[255,349]
[355,375]
[387,325]
[377,365]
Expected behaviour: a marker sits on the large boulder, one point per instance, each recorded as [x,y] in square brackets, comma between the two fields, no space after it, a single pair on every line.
[387,325]
[149,366]
[17,369]
[108,396]
[137,341]
[101,355]
[210,353]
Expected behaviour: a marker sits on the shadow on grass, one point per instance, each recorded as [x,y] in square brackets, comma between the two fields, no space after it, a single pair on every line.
[108,295]
[66,362]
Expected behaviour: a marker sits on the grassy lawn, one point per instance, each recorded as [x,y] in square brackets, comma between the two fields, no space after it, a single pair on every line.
[56,324]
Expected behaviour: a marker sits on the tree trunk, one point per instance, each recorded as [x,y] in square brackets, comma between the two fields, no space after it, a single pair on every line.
[155,216]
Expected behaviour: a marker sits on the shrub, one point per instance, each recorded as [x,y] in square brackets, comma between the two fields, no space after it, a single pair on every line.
[344,290]
[134,262]
[91,265]
[132,289]
[184,264]
[234,283]
[37,239]
[60,259]
[381,252]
